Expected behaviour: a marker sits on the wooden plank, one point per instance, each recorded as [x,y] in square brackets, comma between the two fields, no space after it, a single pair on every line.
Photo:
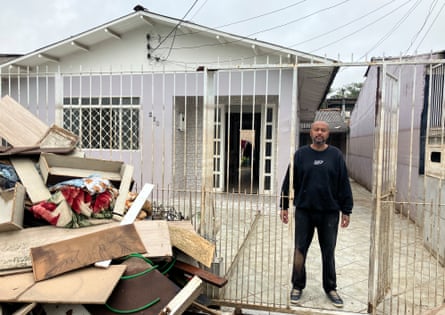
[16,118]
[139,289]
[26,309]
[56,167]
[156,238]
[131,215]
[192,244]
[184,298]
[57,258]
[31,179]
[88,285]
[15,246]
[12,286]
[124,188]
[12,208]
[205,275]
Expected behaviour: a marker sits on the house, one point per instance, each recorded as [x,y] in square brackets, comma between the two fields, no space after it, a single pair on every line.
[400,110]
[173,98]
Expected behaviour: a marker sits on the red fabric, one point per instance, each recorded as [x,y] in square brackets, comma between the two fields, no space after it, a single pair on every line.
[44,210]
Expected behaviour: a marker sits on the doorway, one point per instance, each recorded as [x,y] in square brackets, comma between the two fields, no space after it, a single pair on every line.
[242,140]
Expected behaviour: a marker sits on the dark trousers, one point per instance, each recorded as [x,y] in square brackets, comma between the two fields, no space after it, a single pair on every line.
[326,223]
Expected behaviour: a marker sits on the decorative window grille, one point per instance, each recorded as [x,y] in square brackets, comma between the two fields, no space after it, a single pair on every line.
[104,122]
[435,152]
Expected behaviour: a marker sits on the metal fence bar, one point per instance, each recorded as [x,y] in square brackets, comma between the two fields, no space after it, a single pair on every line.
[254,249]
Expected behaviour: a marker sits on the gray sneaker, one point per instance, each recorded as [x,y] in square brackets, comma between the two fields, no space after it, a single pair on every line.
[295,295]
[335,298]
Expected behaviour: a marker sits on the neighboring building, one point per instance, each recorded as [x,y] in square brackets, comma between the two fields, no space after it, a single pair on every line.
[405,96]
[346,105]
[7,57]
[338,128]
[171,97]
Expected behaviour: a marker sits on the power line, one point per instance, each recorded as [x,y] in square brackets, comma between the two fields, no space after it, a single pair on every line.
[422,26]
[176,26]
[362,28]
[261,15]
[396,26]
[431,25]
[247,19]
[199,9]
[342,26]
[299,19]
[265,30]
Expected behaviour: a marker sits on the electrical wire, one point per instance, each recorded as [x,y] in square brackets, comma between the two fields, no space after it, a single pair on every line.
[299,19]
[264,30]
[387,35]
[395,27]
[261,15]
[199,9]
[362,28]
[431,25]
[175,27]
[430,11]
[343,25]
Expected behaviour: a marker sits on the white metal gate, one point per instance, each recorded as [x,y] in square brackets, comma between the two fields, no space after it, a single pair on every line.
[184,126]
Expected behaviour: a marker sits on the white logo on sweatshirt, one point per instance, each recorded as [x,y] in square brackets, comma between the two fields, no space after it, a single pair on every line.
[318,162]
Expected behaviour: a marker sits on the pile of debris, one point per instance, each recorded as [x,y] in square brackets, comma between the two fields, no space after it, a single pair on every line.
[75,238]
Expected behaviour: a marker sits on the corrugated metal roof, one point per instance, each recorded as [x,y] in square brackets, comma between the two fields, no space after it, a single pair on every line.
[334,117]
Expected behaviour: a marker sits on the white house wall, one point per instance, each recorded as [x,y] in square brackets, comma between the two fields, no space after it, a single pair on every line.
[130,53]
[362,128]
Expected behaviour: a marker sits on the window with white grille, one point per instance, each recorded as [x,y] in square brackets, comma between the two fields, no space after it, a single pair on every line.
[103,122]
[435,144]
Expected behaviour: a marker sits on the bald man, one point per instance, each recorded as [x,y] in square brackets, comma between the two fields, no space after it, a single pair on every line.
[323,201]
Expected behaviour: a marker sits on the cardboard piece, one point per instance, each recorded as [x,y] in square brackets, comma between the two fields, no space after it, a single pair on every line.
[11,208]
[63,256]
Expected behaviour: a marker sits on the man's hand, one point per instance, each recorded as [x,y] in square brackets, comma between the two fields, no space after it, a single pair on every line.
[344,220]
[284,216]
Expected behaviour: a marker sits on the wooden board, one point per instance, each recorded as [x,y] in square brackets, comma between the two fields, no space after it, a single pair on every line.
[201,273]
[155,237]
[57,258]
[11,208]
[31,179]
[134,292]
[15,245]
[179,304]
[88,285]
[192,244]
[12,286]
[130,216]
[16,118]
[124,187]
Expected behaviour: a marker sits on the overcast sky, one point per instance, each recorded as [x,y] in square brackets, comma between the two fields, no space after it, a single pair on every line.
[340,29]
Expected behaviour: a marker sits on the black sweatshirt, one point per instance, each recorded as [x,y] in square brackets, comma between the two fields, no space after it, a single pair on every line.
[320,182]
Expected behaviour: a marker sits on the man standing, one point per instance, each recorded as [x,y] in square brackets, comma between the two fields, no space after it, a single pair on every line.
[322,192]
